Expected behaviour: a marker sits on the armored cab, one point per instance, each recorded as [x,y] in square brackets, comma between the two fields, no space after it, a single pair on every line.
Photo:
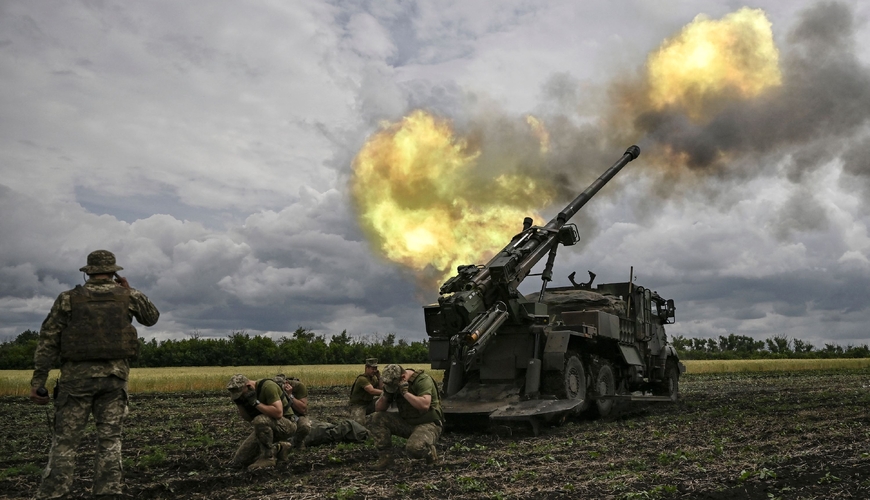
[616,333]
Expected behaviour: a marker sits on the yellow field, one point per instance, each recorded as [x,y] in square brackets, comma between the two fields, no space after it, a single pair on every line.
[208,378]
[17,382]
[773,365]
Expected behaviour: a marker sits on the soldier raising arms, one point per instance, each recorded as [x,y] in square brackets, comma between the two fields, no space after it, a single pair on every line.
[90,332]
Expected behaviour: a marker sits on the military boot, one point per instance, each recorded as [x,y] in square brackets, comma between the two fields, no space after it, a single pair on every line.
[262,463]
[284,451]
[385,460]
[432,457]
[267,457]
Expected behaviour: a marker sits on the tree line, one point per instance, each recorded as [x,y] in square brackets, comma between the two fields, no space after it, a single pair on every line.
[743,347]
[303,347]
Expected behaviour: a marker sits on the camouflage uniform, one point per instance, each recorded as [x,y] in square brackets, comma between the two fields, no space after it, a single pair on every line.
[346,431]
[265,440]
[421,429]
[361,402]
[303,423]
[358,411]
[96,386]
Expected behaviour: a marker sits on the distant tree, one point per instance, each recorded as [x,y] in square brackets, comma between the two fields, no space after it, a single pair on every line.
[862,351]
[779,344]
[681,344]
[341,339]
[832,351]
[17,354]
[303,334]
[802,347]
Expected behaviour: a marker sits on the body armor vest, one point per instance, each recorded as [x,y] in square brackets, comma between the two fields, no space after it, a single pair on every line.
[99,328]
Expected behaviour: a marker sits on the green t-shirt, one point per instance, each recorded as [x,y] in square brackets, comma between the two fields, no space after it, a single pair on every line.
[269,392]
[299,392]
[358,393]
[420,384]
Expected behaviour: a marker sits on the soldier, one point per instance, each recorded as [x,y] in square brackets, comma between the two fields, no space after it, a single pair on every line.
[297,393]
[346,431]
[270,410]
[419,419]
[363,392]
[90,331]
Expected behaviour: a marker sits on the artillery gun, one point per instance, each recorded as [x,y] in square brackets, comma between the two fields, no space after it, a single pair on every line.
[559,352]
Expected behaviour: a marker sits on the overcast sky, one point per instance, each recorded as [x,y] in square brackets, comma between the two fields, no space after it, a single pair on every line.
[210,146]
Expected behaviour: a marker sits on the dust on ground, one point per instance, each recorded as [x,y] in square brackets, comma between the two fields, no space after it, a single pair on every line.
[762,436]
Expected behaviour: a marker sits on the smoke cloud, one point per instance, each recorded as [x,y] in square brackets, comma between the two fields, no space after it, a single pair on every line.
[817,112]
[824,98]
[716,104]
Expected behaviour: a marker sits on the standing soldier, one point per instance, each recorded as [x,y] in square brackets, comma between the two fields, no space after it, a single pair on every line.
[90,331]
[363,392]
[419,418]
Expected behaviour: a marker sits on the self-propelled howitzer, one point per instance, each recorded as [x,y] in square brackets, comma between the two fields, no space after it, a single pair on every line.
[491,340]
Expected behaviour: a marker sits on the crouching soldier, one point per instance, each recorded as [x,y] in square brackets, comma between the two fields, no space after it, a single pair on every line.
[268,409]
[419,418]
[363,392]
[297,394]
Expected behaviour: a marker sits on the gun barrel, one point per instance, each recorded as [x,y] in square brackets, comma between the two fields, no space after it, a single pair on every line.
[534,249]
[630,154]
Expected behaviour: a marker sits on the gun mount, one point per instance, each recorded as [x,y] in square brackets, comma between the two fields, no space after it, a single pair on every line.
[496,346]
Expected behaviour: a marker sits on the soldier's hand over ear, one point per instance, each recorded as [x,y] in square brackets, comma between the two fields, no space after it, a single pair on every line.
[121,281]
[250,397]
[403,387]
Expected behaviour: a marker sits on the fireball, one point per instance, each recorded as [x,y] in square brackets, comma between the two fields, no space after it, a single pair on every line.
[424,204]
[713,61]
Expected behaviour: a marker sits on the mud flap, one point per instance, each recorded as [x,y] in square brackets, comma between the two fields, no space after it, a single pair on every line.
[544,408]
[536,411]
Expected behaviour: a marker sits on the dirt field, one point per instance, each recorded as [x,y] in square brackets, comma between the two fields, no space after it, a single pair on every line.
[764,436]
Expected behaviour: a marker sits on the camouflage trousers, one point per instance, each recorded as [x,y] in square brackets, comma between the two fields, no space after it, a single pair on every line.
[106,398]
[358,412]
[263,440]
[346,431]
[421,438]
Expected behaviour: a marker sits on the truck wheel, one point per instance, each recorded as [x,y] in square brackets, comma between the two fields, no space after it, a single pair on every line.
[670,385]
[605,385]
[571,382]
[575,381]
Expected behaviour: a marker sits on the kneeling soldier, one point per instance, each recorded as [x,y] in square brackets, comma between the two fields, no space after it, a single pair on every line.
[297,394]
[419,418]
[267,408]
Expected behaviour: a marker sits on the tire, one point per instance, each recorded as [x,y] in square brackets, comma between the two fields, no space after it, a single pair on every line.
[670,384]
[604,384]
[570,383]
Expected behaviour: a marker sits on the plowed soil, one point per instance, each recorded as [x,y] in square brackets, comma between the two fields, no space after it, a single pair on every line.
[787,435]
